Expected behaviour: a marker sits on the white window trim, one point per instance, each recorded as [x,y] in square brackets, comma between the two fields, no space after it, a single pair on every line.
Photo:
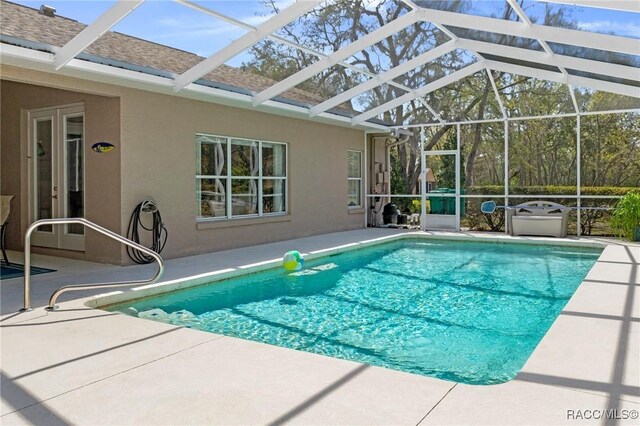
[349,179]
[229,177]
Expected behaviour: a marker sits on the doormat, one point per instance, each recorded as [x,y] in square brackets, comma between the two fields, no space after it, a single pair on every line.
[15,270]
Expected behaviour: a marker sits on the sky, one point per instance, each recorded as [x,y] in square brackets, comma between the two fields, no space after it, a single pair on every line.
[170,23]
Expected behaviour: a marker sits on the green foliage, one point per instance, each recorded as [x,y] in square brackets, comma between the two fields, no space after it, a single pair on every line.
[610,149]
[542,152]
[447,175]
[398,184]
[626,217]
[482,153]
[550,190]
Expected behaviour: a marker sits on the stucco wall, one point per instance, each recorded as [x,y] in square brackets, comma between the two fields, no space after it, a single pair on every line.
[158,160]
[159,156]
[102,177]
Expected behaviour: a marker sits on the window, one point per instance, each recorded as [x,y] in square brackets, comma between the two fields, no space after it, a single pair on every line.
[354,178]
[240,177]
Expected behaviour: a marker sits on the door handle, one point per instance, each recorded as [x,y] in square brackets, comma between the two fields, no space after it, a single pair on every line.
[55,197]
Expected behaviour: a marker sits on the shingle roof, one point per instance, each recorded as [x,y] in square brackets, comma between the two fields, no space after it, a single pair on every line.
[26,23]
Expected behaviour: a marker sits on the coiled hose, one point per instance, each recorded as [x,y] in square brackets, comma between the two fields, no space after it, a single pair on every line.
[159,232]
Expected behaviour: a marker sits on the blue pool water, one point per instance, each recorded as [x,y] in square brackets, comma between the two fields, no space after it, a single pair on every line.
[461,311]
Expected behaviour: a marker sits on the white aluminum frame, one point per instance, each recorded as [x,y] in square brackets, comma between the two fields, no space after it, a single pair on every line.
[529,117]
[524,18]
[383,78]
[423,184]
[247,40]
[457,159]
[365,172]
[548,57]
[617,88]
[433,86]
[524,28]
[578,175]
[535,31]
[620,89]
[336,57]
[302,48]
[506,169]
[622,5]
[580,64]
[91,33]
[507,195]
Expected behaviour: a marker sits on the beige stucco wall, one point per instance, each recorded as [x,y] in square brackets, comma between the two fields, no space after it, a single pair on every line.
[157,159]
[102,180]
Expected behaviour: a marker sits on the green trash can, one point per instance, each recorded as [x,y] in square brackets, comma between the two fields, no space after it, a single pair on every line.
[446,205]
[449,202]
[438,203]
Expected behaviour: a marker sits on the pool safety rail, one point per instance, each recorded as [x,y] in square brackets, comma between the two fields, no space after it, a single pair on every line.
[77,287]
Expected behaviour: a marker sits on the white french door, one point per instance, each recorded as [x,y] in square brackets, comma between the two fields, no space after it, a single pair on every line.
[56,170]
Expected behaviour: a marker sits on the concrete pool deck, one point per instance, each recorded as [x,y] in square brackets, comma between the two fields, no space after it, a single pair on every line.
[80,365]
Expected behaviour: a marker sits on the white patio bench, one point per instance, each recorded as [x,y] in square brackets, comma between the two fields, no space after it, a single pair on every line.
[539,218]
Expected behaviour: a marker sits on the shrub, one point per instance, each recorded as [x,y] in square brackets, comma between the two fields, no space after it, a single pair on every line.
[550,190]
[626,217]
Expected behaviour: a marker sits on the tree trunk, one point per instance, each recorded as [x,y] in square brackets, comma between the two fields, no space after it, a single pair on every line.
[477,138]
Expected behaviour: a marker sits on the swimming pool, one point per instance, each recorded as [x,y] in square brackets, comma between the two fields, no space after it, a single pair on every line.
[462,311]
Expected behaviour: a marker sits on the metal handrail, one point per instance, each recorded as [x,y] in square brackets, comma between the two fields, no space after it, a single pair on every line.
[75,287]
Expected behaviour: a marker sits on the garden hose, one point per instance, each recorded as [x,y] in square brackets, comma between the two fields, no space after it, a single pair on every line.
[158,231]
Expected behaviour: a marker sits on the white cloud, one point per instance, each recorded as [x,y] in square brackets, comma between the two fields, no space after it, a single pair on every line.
[170,22]
[255,20]
[630,29]
[177,27]
[199,31]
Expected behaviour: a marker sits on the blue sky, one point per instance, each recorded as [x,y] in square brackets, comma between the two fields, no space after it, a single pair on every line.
[170,23]
[173,24]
